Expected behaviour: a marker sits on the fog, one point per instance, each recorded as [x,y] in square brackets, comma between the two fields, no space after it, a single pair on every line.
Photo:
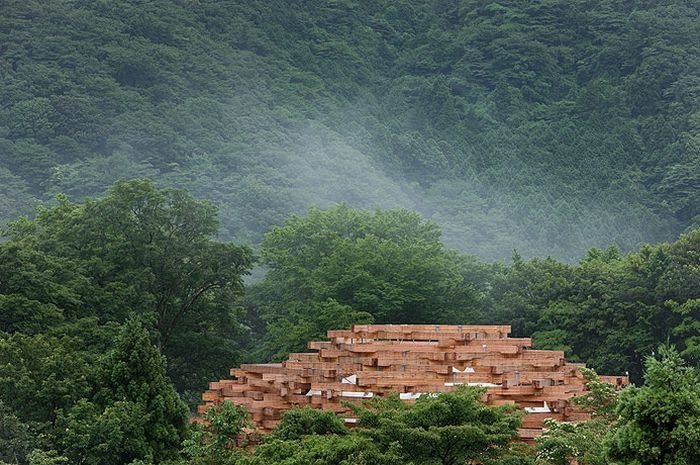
[317,166]
[257,186]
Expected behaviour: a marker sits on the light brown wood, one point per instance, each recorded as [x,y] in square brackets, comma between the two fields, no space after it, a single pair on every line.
[375,360]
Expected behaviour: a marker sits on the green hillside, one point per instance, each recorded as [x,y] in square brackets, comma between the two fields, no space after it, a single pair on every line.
[550,126]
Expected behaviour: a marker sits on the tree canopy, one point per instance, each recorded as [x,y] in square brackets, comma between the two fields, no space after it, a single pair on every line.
[136,250]
[448,429]
[659,423]
[335,267]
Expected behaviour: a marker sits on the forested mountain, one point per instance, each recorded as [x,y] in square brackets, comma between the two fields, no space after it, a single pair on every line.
[550,126]
[386,161]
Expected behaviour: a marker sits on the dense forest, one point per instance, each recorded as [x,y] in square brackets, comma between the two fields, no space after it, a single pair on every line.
[551,126]
[116,311]
[186,185]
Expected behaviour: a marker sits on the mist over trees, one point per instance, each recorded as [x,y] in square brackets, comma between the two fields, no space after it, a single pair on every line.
[551,127]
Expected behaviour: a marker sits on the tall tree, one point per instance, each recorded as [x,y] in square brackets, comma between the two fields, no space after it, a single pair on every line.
[154,253]
[659,423]
[385,266]
[135,413]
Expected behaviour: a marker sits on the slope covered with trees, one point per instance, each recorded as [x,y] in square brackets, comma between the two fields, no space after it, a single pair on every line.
[566,129]
[551,127]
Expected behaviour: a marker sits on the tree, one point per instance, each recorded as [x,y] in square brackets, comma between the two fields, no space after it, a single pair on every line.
[349,449]
[153,253]
[15,199]
[160,242]
[303,422]
[303,436]
[51,457]
[16,439]
[111,435]
[689,326]
[135,414]
[565,443]
[343,266]
[659,423]
[218,439]
[302,322]
[59,375]
[562,443]
[449,429]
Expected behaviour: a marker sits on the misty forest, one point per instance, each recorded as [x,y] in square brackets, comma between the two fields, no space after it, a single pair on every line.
[188,185]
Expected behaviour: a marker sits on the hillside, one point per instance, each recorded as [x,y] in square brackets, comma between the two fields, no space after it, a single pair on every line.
[550,126]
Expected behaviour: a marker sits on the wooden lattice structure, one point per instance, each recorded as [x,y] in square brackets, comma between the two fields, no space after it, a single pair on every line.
[413,360]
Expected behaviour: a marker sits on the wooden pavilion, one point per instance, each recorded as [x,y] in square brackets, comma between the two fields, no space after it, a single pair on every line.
[413,360]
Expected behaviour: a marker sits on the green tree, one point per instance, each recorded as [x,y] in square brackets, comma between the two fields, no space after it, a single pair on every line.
[154,253]
[135,414]
[40,457]
[303,422]
[16,439]
[111,435]
[58,372]
[377,104]
[450,428]
[659,423]
[385,266]
[689,328]
[562,443]
[302,322]
[327,450]
[15,198]
[218,439]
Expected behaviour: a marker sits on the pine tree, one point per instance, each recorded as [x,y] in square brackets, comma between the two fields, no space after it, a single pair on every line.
[136,414]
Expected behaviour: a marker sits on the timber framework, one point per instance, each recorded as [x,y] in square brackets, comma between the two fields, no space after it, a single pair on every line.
[413,360]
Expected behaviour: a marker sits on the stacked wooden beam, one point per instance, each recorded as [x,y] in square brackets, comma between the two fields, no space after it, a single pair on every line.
[413,360]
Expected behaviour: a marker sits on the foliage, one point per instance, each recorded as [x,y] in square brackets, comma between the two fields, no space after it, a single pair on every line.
[308,421]
[15,437]
[332,268]
[562,443]
[553,127]
[330,450]
[58,372]
[112,435]
[135,414]
[449,428]
[70,278]
[40,457]
[142,250]
[216,440]
[609,310]
[292,327]
[659,423]
[83,378]
[599,399]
